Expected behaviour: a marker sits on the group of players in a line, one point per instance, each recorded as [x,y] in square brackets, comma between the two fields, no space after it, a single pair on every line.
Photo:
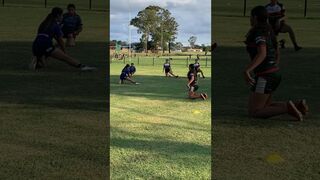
[194,69]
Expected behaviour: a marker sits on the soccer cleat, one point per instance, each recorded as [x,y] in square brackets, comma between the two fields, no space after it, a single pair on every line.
[203,96]
[293,111]
[87,68]
[136,83]
[302,106]
[177,76]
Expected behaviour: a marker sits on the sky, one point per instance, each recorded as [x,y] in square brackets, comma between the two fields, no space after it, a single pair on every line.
[193,17]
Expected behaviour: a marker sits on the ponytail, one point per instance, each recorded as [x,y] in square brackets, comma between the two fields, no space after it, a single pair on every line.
[51,18]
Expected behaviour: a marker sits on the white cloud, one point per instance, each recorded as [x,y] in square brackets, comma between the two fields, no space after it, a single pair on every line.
[193,17]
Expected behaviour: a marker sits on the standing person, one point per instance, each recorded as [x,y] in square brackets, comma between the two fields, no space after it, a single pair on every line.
[192,84]
[197,67]
[132,69]
[264,54]
[168,70]
[276,14]
[43,46]
[71,25]
[125,75]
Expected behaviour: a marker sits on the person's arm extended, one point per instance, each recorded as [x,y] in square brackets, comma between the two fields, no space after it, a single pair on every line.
[190,81]
[261,55]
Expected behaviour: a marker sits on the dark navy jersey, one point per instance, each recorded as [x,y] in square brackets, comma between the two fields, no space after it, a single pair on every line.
[256,38]
[71,23]
[196,65]
[190,75]
[132,69]
[166,66]
[52,31]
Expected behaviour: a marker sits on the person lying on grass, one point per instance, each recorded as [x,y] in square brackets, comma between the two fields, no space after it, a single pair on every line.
[197,67]
[125,75]
[167,69]
[192,84]
[263,74]
[132,69]
[43,47]
[71,25]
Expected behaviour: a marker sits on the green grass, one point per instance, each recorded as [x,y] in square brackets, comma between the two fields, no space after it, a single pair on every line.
[154,132]
[53,122]
[241,145]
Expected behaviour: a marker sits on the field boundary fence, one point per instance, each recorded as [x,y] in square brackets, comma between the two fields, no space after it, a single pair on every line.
[94,5]
[295,8]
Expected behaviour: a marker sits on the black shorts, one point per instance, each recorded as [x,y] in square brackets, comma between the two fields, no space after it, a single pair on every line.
[42,47]
[166,70]
[266,84]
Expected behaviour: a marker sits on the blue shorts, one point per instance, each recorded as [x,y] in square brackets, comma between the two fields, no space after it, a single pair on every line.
[123,76]
[42,46]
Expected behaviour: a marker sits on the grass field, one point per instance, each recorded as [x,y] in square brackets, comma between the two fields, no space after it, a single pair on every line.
[276,148]
[53,122]
[156,132]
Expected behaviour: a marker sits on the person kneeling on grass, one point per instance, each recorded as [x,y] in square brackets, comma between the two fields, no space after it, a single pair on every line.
[132,69]
[264,54]
[71,25]
[197,66]
[192,84]
[167,69]
[43,44]
[125,75]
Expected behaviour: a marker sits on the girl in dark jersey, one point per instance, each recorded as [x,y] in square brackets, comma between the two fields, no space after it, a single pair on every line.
[264,54]
[43,46]
[167,69]
[192,84]
[125,75]
[197,66]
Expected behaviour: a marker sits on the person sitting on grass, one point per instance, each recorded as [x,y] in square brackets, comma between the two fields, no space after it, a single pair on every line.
[192,84]
[167,69]
[43,47]
[276,17]
[197,67]
[132,69]
[125,75]
[263,73]
[71,25]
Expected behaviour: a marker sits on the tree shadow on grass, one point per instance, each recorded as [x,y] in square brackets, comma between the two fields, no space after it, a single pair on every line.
[58,85]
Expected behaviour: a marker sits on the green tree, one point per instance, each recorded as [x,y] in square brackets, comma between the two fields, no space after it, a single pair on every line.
[158,23]
[192,40]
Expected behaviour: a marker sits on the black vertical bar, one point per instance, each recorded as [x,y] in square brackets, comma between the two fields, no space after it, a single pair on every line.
[90,4]
[45,3]
[2,2]
[244,7]
[153,61]
[305,8]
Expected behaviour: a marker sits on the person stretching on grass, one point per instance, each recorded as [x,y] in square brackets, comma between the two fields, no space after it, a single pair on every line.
[276,14]
[125,75]
[43,46]
[132,69]
[167,69]
[264,54]
[197,67]
[71,25]
[192,84]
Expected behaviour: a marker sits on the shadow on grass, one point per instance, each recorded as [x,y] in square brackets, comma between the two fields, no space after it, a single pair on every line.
[58,85]
[158,87]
